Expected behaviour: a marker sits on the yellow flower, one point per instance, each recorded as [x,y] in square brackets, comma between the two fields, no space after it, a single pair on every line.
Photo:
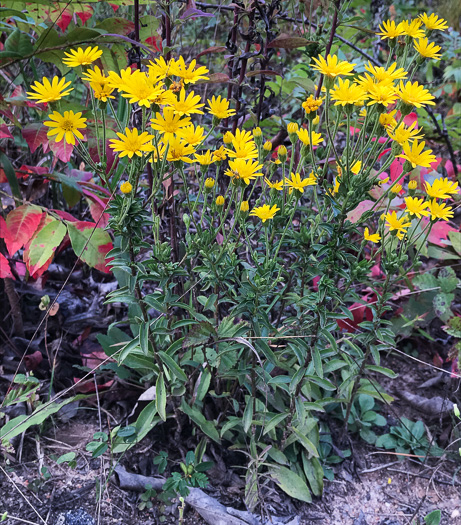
[335,189]
[440,211]
[240,169]
[332,67]
[65,126]
[139,89]
[244,207]
[209,183]
[228,137]
[383,94]
[402,133]
[427,50]
[265,212]
[191,135]
[187,105]
[244,146]
[132,143]
[387,120]
[390,30]
[102,91]
[179,150]
[415,95]
[220,200]
[433,22]
[374,237]
[257,132]
[168,124]
[441,189]
[312,104]
[189,74]
[122,81]
[346,92]
[205,159]
[303,135]
[295,183]
[396,224]
[161,69]
[413,28]
[391,73]
[417,207]
[356,167]
[219,107]
[82,57]
[292,128]
[49,91]
[267,146]
[412,185]
[282,153]
[416,156]
[126,188]
[277,185]
[220,154]
[95,75]
[396,188]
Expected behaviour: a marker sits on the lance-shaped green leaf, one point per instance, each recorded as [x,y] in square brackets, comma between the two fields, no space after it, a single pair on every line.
[44,243]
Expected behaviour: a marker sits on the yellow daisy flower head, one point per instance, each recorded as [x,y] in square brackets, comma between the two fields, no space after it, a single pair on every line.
[245,170]
[391,73]
[244,146]
[442,188]
[390,30]
[66,126]
[219,108]
[345,93]
[126,187]
[384,94]
[412,28]
[132,143]
[277,185]
[303,135]
[415,155]
[95,75]
[427,50]
[415,95]
[332,66]
[433,22]
[228,137]
[49,91]
[205,159]
[168,123]
[440,210]
[220,154]
[402,133]
[178,150]
[356,167]
[140,90]
[122,81]
[372,237]
[159,69]
[265,212]
[395,223]
[187,105]
[387,120]
[296,183]
[102,92]
[416,207]
[311,104]
[192,135]
[82,57]
[396,189]
[189,74]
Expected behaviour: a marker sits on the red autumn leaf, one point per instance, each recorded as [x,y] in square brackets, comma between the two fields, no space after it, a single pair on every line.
[97,206]
[33,361]
[36,135]
[62,17]
[22,223]
[43,245]
[5,233]
[62,150]
[361,312]
[439,232]
[91,244]
[396,170]
[156,42]
[5,132]
[65,215]
[5,270]
[86,387]
[85,14]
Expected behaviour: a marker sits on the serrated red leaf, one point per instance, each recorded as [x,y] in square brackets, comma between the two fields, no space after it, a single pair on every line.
[22,223]
[91,246]
[5,270]
[36,135]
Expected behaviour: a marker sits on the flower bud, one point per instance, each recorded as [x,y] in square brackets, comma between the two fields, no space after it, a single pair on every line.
[396,189]
[258,136]
[209,184]
[412,185]
[456,410]
[220,201]
[228,137]
[282,153]
[267,146]
[292,129]
[126,188]
[244,207]
[186,219]
[316,120]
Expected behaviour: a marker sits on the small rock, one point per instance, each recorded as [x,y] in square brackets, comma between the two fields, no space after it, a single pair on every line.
[75,517]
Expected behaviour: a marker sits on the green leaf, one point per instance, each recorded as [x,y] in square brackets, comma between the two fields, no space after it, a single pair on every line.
[144,338]
[90,243]
[160,397]
[274,422]
[314,474]
[248,415]
[206,426]
[204,385]
[43,244]
[65,458]
[433,518]
[6,12]
[10,176]
[382,370]
[306,443]
[19,42]
[173,367]
[291,483]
